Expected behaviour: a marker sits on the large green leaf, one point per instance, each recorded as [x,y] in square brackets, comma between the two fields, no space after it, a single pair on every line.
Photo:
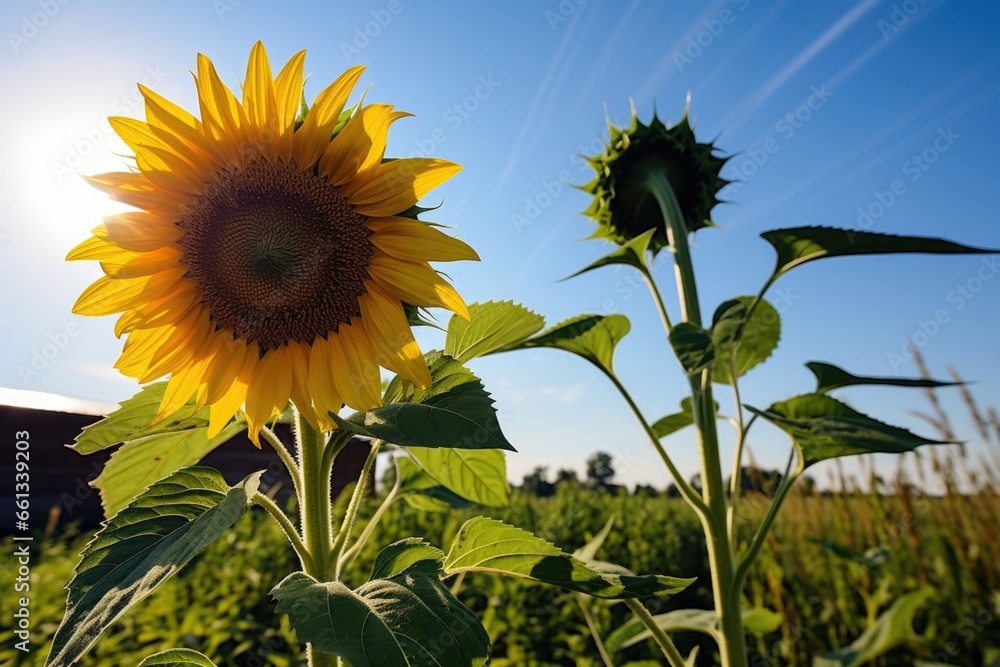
[797,245]
[592,337]
[177,657]
[823,428]
[142,546]
[138,463]
[487,545]
[693,347]
[491,326]
[758,621]
[409,554]
[892,628]
[830,377]
[455,411]
[743,343]
[478,475]
[131,421]
[631,253]
[422,492]
[409,619]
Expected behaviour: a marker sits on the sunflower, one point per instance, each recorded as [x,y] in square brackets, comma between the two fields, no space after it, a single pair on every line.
[624,206]
[271,256]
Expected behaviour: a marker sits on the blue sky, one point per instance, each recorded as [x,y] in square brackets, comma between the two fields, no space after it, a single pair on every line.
[829,108]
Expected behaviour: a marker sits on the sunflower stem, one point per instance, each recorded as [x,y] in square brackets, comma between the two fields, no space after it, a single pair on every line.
[315,509]
[352,553]
[287,527]
[666,645]
[352,509]
[721,557]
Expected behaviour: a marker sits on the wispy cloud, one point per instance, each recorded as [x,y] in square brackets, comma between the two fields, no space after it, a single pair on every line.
[542,101]
[605,56]
[743,110]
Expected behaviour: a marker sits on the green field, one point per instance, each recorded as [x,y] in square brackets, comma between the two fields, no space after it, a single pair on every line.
[833,563]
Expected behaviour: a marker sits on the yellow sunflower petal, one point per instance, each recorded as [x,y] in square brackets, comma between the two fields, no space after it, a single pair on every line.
[415,283]
[288,93]
[156,159]
[170,119]
[134,189]
[139,231]
[99,249]
[313,136]
[182,386]
[179,346]
[269,390]
[359,148]
[147,263]
[225,366]
[324,392]
[391,336]
[260,102]
[112,295]
[416,241]
[222,410]
[298,360]
[221,113]
[355,372]
[397,185]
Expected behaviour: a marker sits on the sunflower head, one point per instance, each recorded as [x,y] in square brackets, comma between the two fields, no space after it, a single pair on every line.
[270,256]
[624,206]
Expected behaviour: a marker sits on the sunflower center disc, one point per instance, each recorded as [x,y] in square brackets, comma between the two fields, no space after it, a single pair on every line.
[277,254]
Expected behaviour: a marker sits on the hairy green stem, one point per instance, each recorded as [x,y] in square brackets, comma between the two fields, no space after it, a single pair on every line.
[287,528]
[315,509]
[736,477]
[352,509]
[686,490]
[285,456]
[662,640]
[721,557]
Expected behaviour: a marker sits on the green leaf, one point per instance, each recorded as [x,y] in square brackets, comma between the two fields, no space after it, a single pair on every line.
[631,253]
[487,545]
[423,492]
[664,426]
[455,411]
[177,657]
[142,546]
[755,621]
[492,326]
[893,627]
[693,347]
[406,620]
[131,421]
[797,245]
[405,555]
[419,317]
[138,463]
[679,620]
[822,428]
[752,342]
[830,377]
[761,621]
[478,475]
[592,337]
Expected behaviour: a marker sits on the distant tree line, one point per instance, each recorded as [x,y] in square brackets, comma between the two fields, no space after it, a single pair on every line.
[600,472]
